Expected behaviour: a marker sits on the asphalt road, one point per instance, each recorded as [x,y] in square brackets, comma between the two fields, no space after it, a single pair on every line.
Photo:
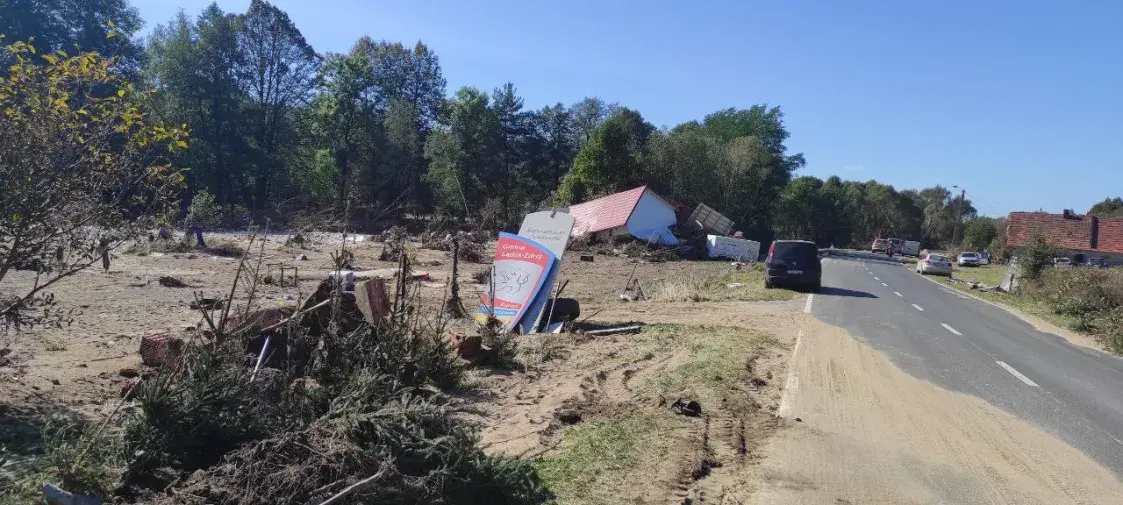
[957,342]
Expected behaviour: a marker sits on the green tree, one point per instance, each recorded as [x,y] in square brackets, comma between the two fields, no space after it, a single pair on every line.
[193,66]
[801,209]
[609,162]
[402,73]
[1109,207]
[402,161]
[979,233]
[341,115]
[75,26]
[84,168]
[462,153]
[277,76]
[588,115]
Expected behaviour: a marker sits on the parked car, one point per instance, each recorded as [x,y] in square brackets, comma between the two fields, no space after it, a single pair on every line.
[934,263]
[793,263]
[968,259]
[1062,262]
[878,245]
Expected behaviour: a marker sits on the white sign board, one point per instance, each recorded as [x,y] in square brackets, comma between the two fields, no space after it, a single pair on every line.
[549,228]
[732,248]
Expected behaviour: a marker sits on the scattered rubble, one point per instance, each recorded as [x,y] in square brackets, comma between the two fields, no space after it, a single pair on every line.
[206,304]
[689,408]
[171,282]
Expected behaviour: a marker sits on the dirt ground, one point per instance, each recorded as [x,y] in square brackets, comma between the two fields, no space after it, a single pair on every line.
[596,411]
[76,367]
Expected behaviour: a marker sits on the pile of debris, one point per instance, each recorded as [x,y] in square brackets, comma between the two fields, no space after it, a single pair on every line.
[339,400]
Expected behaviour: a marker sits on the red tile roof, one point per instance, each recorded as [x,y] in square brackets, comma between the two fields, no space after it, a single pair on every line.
[1110,237]
[606,212]
[1074,231]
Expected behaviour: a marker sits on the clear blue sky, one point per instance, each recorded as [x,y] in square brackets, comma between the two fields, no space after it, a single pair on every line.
[1019,102]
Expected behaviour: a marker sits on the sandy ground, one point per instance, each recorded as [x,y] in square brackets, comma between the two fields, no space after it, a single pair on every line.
[590,379]
[76,367]
[869,433]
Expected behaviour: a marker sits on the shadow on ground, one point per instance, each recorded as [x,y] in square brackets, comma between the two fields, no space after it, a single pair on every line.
[833,291]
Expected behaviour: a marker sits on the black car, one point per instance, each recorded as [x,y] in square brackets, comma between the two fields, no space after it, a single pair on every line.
[793,263]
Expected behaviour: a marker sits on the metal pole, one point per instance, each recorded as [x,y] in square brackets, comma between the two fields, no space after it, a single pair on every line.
[958,217]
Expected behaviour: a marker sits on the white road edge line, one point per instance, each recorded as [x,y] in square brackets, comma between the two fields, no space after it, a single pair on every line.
[949,328]
[884,284]
[807,306]
[898,293]
[917,307]
[792,383]
[1017,374]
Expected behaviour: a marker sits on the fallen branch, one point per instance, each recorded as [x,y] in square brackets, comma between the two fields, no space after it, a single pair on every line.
[355,487]
[615,331]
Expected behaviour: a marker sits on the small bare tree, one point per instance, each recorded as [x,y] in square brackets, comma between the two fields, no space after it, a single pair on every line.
[82,169]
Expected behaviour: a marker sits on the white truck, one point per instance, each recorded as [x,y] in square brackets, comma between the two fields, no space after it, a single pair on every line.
[910,248]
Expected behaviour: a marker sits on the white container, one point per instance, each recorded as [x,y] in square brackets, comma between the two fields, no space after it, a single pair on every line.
[732,248]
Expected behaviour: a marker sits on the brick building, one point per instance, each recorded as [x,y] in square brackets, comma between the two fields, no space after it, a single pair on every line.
[1095,237]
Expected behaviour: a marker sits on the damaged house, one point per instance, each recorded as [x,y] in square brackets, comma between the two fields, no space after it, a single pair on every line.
[637,212]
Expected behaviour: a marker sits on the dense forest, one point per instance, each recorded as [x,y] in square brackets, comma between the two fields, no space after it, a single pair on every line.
[278,128]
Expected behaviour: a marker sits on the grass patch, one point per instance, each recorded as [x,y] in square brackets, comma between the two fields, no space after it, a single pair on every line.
[713,284]
[595,460]
[720,363]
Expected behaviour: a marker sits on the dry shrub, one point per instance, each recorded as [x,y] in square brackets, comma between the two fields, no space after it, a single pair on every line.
[1091,296]
[1111,333]
[683,288]
[700,286]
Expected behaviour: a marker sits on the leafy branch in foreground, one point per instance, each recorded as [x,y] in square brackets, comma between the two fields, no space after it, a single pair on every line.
[81,166]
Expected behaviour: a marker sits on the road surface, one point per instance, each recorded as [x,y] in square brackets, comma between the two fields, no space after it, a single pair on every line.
[938,334]
[901,390]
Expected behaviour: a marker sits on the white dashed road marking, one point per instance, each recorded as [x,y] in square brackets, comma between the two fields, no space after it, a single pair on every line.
[884,284]
[898,293]
[807,306]
[949,328]
[792,384]
[917,307]
[1017,374]
[877,278]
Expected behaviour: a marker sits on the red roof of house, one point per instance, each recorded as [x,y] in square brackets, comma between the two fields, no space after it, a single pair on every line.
[606,212]
[1071,231]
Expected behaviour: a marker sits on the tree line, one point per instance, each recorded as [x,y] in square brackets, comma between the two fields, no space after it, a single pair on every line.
[277,128]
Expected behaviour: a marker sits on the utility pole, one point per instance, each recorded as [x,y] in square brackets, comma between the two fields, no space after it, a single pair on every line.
[958,216]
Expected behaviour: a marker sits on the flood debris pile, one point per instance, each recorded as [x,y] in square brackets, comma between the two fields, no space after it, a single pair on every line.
[346,402]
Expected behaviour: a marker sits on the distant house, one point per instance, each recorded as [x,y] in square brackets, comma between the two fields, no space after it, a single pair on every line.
[1095,237]
[637,212]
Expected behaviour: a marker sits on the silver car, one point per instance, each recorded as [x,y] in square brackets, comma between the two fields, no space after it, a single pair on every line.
[932,263]
[969,259]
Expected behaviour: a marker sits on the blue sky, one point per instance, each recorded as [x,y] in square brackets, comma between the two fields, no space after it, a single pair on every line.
[1019,102]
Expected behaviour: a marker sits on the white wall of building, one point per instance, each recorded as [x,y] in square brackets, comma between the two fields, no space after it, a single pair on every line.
[652,214]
